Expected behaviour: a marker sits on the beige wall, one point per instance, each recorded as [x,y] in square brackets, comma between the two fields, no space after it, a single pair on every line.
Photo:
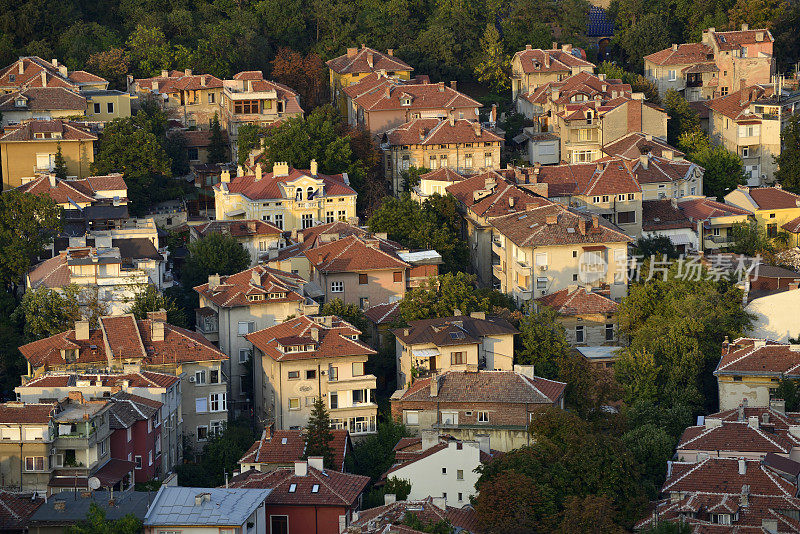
[19,158]
[379,289]
[776,316]
[121,106]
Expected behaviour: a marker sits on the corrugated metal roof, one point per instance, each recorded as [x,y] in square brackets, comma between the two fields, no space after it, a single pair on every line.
[223,507]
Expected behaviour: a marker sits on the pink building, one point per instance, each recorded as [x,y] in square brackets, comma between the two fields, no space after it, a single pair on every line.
[136,433]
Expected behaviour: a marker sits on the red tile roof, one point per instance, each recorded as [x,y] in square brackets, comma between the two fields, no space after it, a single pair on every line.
[16,510]
[269,187]
[578,302]
[700,209]
[792,226]
[52,272]
[375,520]
[388,95]
[490,195]
[609,92]
[367,60]
[27,130]
[383,313]
[435,131]
[320,234]
[81,76]
[773,198]
[538,60]
[457,330]
[722,476]
[288,446]
[31,75]
[760,357]
[333,488]
[734,40]
[443,174]
[353,254]
[662,215]
[686,53]
[635,144]
[43,99]
[736,105]
[26,413]
[237,228]
[336,338]
[735,436]
[142,379]
[179,81]
[63,192]
[235,289]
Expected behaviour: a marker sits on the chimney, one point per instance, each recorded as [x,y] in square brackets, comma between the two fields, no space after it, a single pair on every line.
[667,154]
[765,418]
[280,168]
[742,466]
[547,60]
[52,178]
[430,438]
[453,85]
[524,370]
[82,330]
[44,78]
[644,160]
[187,72]
[441,87]
[154,86]
[313,168]
[493,114]
[483,442]
[528,47]
[316,462]
[745,27]
[157,330]
[759,36]
[477,127]
[390,52]
[213,281]
[60,506]
[203,80]
[566,48]
[389,498]
[300,468]
[595,221]
[478,315]
[225,177]
[165,74]
[435,386]
[744,499]
[258,172]
[674,47]
[351,52]
[251,227]
[388,91]
[76,396]
[370,60]
[582,226]
[752,422]
[554,46]
[21,66]
[451,117]
[249,86]
[740,415]
[602,77]
[200,498]
[315,334]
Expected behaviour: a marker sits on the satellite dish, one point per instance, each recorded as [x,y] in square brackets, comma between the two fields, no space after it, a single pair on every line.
[94,483]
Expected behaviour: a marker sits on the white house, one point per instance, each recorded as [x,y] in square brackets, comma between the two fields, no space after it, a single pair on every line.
[776,316]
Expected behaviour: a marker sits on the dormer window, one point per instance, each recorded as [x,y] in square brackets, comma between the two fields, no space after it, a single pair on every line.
[12,77]
[38,135]
[405,101]
[19,102]
[253,298]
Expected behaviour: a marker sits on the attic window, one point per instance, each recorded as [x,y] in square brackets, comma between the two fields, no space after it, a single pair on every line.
[12,77]
[252,298]
[284,440]
[405,101]
[19,102]
[292,488]
[315,488]
[277,295]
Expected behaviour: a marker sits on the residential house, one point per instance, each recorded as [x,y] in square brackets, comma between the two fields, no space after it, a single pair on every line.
[460,343]
[713,221]
[776,314]
[41,103]
[158,389]
[390,516]
[748,122]
[368,270]
[589,317]
[358,63]
[381,318]
[282,448]
[136,433]
[290,199]
[207,511]
[306,498]
[305,358]
[105,105]
[198,144]
[714,66]
[752,369]
[634,144]
[726,495]
[379,103]
[259,238]
[434,143]
[125,343]
[443,467]
[233,306]
[741,432]
[773,207]
[666,218]
[792,228]
[27,432]
[533,67]
[192,99]
[587,112]
[250,99]
[64,511]
[31,147]
[465,404]
[434,183]
[18,509]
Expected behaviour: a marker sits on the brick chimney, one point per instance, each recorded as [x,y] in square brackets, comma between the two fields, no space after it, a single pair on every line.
[390,52]
[21,66]
[441,87]
[315,334]
[477,127]
[644,160]
[225,176]
[187,72]
[674,47]
[351,52]
[435,386]
[453,85]
[76,396]
[493,114]
[259,172]
[213,281]
[430,438]
[165,74]
[313,167]
[82,330]
[203,80]
[370,60]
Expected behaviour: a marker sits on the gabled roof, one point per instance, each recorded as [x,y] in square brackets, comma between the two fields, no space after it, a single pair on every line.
[759,358]
[701,209]
[442,174]
[484,386]
[366,59]
[335,338]
[26,413]
[127,409]
[735,40]
[180,81]
[682,54]
[43,99]
[288,446]
[435,131]
[722,476]
[235,289]
[736,105]
[27,130]
[635,144]
[268,187]
[31,76]
[590,87]
[770,198]
[375,520]
[332,487]
[409,451]
[490,195]
[141,379]
[389,95]
[237,228]
[320,234]
[16,509]
[611,176]
[663,215]
[578,301]
[555,60]
[458,330]
[792,226]
[736,436]
[383,313]
[175,505]
[354,254]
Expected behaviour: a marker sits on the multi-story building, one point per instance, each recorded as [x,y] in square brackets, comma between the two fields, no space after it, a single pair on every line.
[136,433]
[260,238]
[306,358]
[291,199]
[715,66]
[193,99]
[533,67]
[156,389]
[250,99]
[42,103]
[369,270]
[379,103]
[282,448]
[233,306]
[434,183]
[27,432]
[713,221]
[30,148]
[358,63]
[122,343]
[589,317]
[460,343]
[434,143]
[467,404]
[772,207]
[666,218]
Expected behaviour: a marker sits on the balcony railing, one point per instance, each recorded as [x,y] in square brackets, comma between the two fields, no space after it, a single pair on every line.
[720,239]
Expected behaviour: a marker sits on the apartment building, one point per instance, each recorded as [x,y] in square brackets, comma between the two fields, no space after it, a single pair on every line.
[305,358]
[233,306]
[713,221]
[773,207]
[358,63]
[714,66]
[533,67]
[250,99]
[158,390]
[192,99]
[288,198]
[123,343]
[459,343]
[434,143]
[589,317]
[30,148]
[369,270]
[468,404]
[435,183]
[136,434]
[259,238]
[27,431]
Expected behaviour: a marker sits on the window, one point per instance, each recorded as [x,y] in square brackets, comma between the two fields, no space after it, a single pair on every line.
[582,156]
[631,196]
[626,217]
[329,217]
[211,98]
[294,375]
[334,397]
[458,358]
[449,418]
[244,355]
[468,161]
[358,368]
[214,428]
[128,433]
[307,220]
[411,417]
[363,302]
[672,75]
[487,159]
[246,106]
[310,401]
[363,279]
[97,107]
[715,232]
[444,470]
[360,396]
[279,524]
[342,214]
[337,287]
[540,259]
[201,405]
[749,130]
[110,107]
[45,161]
[397,276]
[459,474]
[101,448]
[311,374]
[34,463]
[460,496]
[333,373]
[158,446]
[213,376]
[541,282]
[433,162]
[443,160]
[483,417]
[723,91]
[579,334]
[218,402]
[745,151]
[279,220]
[605,198]
[294,403]
[246,327]
[772,230]
[609,332]
[149,457]
[138,459]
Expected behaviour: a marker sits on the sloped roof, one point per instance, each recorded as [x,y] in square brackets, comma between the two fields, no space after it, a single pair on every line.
[735,436]
[176,505]
[320,234]
[699,209]
[458,330]
[792,226]
[578,301]
[27,130]
[233,290]
[662,215]
[760,358]
[375,520]
[52,272]
[180,81]
[443,174]
[490,195]
[16,509]
[26,413]
[367,60]
[354,254]
[734,40]
[31,75]
[635,144]
[268,187]
[389,95]
[773,198]
[237,228]
[736,104]
[435,131]
[332,487]
[127,408]
[594,90]
[383,313]
[43,99]
[288,446]
[721,476]
[685,54]
[555,60]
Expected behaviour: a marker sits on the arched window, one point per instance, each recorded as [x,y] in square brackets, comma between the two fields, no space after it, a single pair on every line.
[298,195]
[310,193]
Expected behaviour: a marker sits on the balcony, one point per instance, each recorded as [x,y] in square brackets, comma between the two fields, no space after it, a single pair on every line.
[720,239]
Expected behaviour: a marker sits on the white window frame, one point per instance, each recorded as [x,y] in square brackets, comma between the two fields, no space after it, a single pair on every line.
[337,286]
[411,417]
[672,75]
[246,327]
[483,416]
[220,399]
[246,353]
[201,405]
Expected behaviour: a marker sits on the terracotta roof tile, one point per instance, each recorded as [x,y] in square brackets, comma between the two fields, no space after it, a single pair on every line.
[736,105]
[792,226]
[31,75]
[375,520]
[353,254]
[367,60]
[27,131]
[761,357]
[234,290]
[440,132]
[389,95]
[736,436]
[333,488]
[443,174]
[489,195]
[16,510]
[383,313]
[578,302]
[662,215]
[238,228]
[538,60]
[686,53]
[288,446]
[268,187]
[458,330]
[43,99]
[81,76]
[721,476]
[179,81]
[773,198]
[699,209]
[26,413]
[735,40]
[635,144]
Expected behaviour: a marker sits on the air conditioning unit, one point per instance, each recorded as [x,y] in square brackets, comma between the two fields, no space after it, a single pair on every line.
[191,379]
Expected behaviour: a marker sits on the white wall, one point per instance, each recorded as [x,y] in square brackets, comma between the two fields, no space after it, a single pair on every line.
[776,316]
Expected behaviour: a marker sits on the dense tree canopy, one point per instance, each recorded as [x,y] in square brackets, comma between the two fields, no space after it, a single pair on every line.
[28,223]
[788,173]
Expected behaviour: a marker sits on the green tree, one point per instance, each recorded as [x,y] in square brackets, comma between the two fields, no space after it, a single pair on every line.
[399,487]
[789,391]
[441,296]
[28,223]
[656,245]
[788,173]
[149,299]
[431,526]
[149,51]
[59,164]
[592,513]
[750,239]
[12,364]
[349,312]
[318,434]
[374,455]
[213,254]
[410,177]
[219,456]
[112,64]
[249,139]
[639,373]
[493,65]
[96,523]
[48,312]
[639,35]
[668,527]
[682,118]
[542,342]
[651,447]
[723,170]
[639,83]
[216,147]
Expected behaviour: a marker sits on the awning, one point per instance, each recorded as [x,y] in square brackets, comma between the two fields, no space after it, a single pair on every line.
[312,290]
[234,213]
[594,248]
[680,239]
[425,353]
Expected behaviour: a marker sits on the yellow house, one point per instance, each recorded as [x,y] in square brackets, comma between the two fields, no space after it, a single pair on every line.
[31,148]
[105,105]
[351,67]
[774,208]
[713,221]
[533,67]
[190,98]
[291,199]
